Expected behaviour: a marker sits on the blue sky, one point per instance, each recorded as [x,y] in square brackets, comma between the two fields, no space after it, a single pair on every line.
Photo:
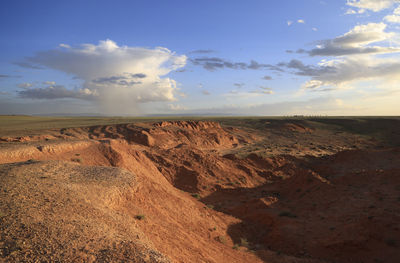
[330,57]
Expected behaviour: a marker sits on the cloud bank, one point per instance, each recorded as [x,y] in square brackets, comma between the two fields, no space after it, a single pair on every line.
[118,77]
[214,63]
[365,53]
[357,41]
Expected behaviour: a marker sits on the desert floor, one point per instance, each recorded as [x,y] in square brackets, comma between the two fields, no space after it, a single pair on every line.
[200,189]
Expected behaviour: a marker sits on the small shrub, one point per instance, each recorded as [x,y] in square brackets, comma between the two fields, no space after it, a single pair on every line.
[244,242]
[287,214]
[210,206]
[139,217]
[195,195]
[77,160]
[221,239]
[235,247]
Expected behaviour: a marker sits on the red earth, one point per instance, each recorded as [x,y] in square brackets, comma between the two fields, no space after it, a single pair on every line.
[265,190]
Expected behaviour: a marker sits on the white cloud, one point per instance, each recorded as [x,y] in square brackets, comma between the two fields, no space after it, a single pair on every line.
[355,61]
[265,90]
[373,5]
[301,21]
[321,105]
[253,93]
[120,76]
[65,45]
[392,19]
[25,85]
[350,12]
[395,17]
[357,41]
[349,71]
[176,107]
[289,23]
[314,29]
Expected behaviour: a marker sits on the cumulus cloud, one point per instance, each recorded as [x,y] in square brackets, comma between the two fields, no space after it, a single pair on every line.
[392,19]
[301,21]
[289,23]
[357,41]
[372,5]
[395,17]
[350,70]
[214,63]
[115,75]
[365,54]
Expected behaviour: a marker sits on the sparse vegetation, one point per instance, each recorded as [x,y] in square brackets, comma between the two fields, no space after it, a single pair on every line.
[244,242]
[221,239]
[196,195]
[140,217]
[77,160]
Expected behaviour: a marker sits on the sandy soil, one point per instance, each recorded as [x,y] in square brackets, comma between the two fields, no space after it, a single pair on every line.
[203,191]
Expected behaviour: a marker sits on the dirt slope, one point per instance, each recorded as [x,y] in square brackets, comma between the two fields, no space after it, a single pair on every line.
[54,211]
[273,192]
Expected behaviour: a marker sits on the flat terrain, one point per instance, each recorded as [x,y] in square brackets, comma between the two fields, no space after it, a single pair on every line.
[184,189]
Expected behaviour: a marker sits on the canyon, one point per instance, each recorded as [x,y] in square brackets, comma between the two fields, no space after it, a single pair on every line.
[212,190]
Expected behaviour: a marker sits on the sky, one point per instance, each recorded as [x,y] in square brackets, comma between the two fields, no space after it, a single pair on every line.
[186,57]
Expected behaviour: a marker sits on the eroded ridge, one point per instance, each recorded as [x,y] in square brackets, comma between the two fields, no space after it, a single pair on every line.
[199,191]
